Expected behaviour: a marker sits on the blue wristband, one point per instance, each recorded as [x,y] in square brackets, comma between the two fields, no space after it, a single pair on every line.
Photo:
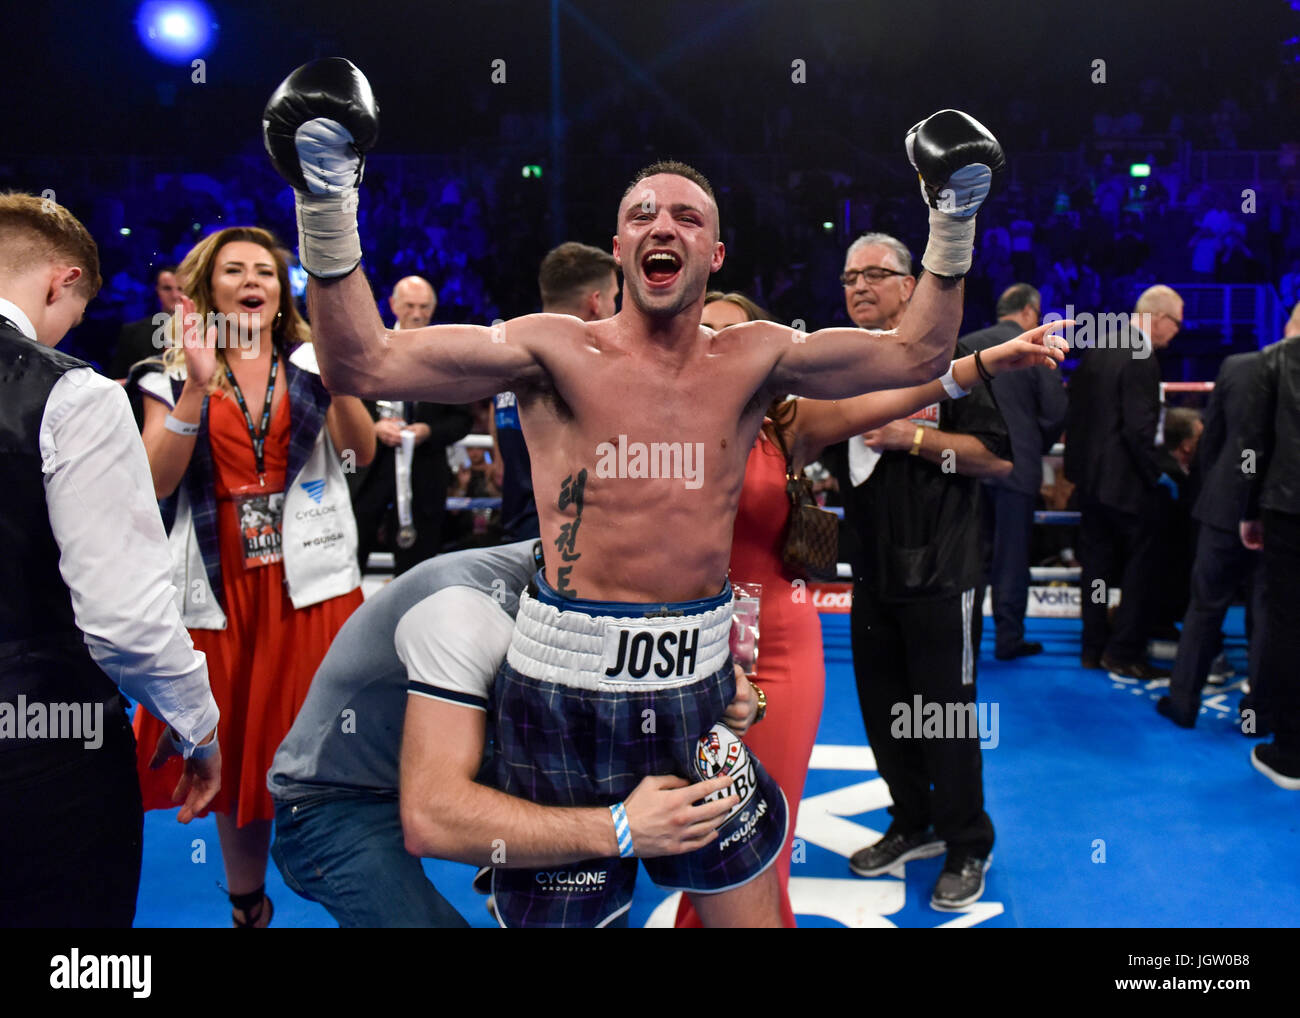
[622,831]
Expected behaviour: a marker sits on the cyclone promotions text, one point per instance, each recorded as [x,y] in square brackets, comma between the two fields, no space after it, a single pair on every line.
[231,335]
[1108,331]
[918,720]
[39,720]
[572,880]
[679,460]
[672,653]
[73,971]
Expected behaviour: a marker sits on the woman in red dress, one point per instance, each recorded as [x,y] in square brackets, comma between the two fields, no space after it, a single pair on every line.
[225,453]
[791,668]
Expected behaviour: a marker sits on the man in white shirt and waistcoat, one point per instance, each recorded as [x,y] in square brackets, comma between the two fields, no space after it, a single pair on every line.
[87,608]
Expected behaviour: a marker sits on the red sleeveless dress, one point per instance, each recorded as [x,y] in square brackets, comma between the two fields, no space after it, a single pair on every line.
[261,665]
[791,669]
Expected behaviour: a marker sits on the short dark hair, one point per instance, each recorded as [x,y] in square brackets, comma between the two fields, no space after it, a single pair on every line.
[676,168]
[1015,298]
[158,270]
[1180,425]
[570,268]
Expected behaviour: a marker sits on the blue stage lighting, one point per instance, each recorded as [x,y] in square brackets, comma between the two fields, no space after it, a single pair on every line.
[175,30]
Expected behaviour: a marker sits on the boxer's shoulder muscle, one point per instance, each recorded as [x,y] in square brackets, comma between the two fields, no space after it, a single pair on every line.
[752,350]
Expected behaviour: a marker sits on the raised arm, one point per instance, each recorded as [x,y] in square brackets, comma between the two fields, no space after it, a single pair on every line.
[317,126]
[440,363]
[955,157]
[843,362]
[819,423]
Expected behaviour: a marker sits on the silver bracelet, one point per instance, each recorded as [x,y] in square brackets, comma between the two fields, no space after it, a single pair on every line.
[180,427]
[951,387]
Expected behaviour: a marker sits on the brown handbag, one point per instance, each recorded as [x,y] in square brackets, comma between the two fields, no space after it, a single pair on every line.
[812,535]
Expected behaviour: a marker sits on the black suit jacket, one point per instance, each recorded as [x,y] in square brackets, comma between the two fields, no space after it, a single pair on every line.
[134,343]
[1110,427]
[1033,403]
[430,474]
[1271,432]
[1222,501]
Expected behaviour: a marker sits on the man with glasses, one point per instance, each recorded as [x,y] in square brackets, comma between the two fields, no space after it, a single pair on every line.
[1110,454]
[1033,405]
[912,497]
[878,281]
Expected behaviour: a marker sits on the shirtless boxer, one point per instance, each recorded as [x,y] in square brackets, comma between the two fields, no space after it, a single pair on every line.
[641,424]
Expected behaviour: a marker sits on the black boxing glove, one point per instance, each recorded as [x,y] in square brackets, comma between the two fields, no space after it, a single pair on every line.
[317,127]
[955,157]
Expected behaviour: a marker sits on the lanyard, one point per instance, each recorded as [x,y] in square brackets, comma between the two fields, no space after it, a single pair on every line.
[258,437]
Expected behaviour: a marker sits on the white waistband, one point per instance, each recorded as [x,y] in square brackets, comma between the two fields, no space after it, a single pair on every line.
[582,651]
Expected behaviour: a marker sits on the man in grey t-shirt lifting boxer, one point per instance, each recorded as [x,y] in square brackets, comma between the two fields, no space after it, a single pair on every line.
[409,675]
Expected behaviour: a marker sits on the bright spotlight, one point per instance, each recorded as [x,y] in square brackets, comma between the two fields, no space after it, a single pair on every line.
[175,30]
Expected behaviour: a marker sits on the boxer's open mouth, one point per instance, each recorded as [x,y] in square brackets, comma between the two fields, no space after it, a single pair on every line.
[661,267]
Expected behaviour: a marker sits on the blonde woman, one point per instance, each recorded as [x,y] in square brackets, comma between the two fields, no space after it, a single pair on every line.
[248,451]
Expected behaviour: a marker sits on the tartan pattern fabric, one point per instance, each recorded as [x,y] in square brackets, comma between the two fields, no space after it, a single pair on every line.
[565,746]
[308,402]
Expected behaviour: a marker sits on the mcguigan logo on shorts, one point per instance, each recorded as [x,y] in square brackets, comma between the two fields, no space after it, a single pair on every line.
[638,652]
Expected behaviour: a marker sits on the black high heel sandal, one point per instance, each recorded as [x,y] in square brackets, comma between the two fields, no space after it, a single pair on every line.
[251,905]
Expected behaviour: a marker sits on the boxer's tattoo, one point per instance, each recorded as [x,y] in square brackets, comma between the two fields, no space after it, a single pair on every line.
[571,494]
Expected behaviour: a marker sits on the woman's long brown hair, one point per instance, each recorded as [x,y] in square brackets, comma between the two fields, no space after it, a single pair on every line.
[287,329]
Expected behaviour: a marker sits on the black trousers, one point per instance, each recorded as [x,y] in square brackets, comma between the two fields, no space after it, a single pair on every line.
[1012,519]
[1117,545]
[71,827]
[1278,695]
[1222,564]
[926,648]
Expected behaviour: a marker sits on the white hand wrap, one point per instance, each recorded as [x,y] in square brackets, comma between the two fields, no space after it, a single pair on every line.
[328,243]
[951,244]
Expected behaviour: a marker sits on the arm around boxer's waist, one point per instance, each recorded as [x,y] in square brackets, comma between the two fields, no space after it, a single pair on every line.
[446,814]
